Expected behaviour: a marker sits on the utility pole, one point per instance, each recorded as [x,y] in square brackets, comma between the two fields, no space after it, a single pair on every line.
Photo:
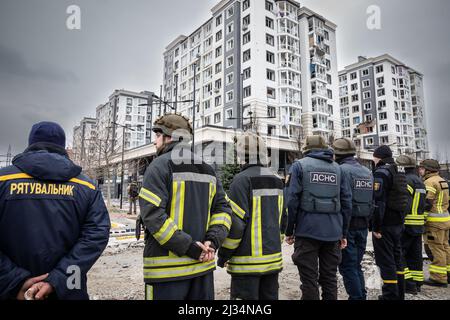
[176,93]
[160,99]
[241,109]
[194,111]
[8,156]
[122,173]
[114,125]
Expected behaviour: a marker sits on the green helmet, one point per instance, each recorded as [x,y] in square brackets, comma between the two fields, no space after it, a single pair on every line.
[406,161]
[430,165]
[344,146]
[315,142]
[169,123]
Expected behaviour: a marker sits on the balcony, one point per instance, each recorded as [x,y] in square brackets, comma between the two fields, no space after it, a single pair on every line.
[320,92]
[291,83]
[319,76]
[292,65]
[292,48]
[289,15]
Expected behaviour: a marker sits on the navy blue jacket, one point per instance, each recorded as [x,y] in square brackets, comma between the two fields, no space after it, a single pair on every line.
[356,223]
[52,220]
[318,226]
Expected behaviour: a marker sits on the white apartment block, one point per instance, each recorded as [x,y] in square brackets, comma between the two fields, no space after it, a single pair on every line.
[124,109]
[382,103]
[272,61]
[84,144]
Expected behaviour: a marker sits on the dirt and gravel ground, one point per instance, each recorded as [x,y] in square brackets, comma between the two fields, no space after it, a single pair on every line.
[117,275]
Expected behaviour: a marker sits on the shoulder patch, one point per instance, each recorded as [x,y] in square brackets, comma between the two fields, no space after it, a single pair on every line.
[377,186]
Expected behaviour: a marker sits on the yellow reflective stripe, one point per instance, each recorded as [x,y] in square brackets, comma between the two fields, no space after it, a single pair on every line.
[435,219]
[212,194]
[175,272]
[417,275]
[173,204]
[414,223]
[168,261]
[15,176]
[438,269]
[410,189]
[431,189]
[415,217]
[253,233]
[439,202]
[27,176]
[256,259]
[180,217]
[221,219]
[231,243]
[390,281]
[150,197]
[280,207]
[256,227]
[166,232]
[84,183]
[415,205]
[236,209]
[148,292]
[254,269]
[177,203]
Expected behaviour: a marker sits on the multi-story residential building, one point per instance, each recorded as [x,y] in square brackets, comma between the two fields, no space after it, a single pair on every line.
[377,106]
[84,136]
[269,66]
[420,123]
[125,109]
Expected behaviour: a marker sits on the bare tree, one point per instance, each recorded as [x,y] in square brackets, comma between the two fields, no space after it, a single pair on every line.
[437,154]
[98,162]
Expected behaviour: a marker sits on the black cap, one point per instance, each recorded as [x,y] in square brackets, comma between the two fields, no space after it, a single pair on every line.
[49,132]
[383,152]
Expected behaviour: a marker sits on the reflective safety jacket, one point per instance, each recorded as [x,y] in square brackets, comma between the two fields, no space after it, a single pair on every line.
[415,218]
[437,196]
[253,246]
[52,220]
[181,203]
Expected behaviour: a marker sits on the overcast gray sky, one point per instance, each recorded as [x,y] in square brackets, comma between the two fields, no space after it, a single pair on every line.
[48,72]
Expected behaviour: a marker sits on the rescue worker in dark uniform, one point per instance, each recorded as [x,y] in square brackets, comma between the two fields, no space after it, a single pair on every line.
[133,196]
[414,227]
[391,201]
[319,211]
[361,184]
[252,250]
[53,221]
[185,215]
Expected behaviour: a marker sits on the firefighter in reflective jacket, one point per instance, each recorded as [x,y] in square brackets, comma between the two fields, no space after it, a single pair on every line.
[361,184]
[53,222]
[185,215]
[252,250]
[319,210]
[414,227]
[438,222]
